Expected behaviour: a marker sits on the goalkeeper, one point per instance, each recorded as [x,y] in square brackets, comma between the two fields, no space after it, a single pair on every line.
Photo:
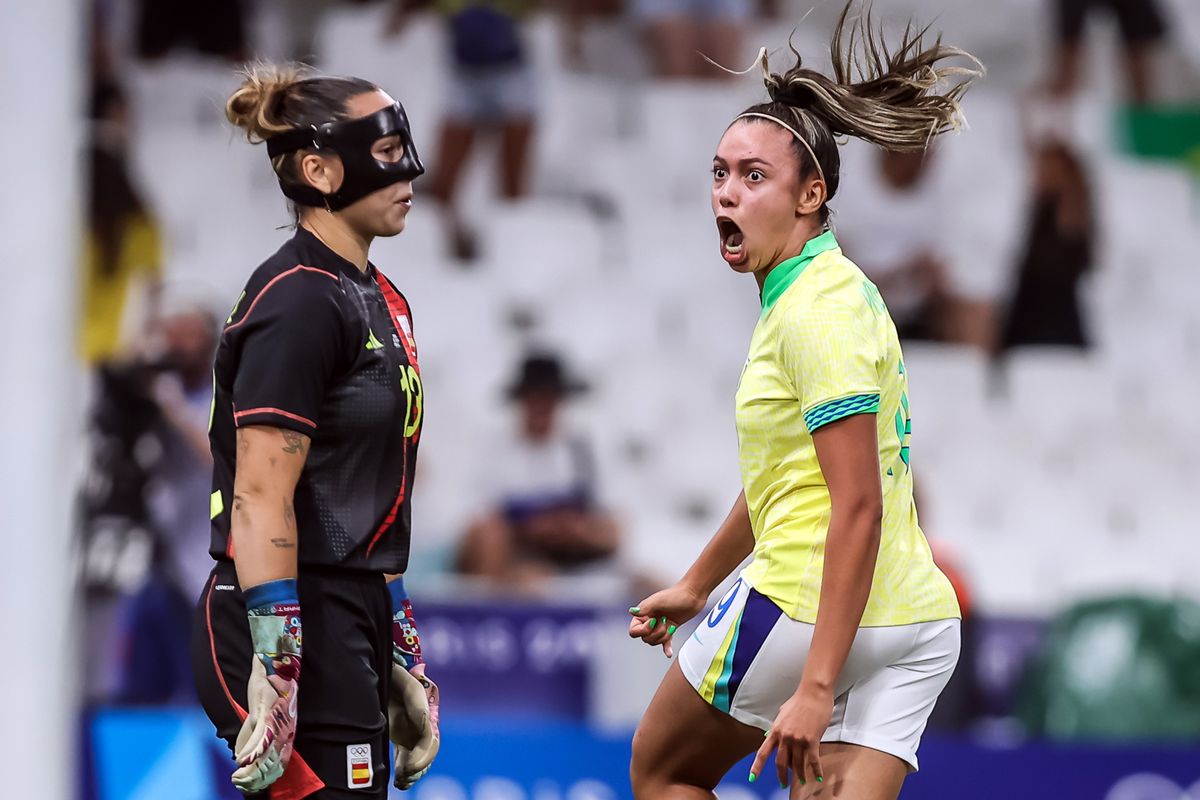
[306,655]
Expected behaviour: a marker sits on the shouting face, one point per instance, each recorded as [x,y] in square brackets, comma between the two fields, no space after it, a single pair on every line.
[765,210]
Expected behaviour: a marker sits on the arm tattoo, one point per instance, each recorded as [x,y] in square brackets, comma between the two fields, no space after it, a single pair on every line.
[289,517]
[294,442]
[289,513]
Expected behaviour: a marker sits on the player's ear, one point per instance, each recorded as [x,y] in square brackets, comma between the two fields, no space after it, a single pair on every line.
[813,194]
[321,172]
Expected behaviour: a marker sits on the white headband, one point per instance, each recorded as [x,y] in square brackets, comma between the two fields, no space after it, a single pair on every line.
[794,132]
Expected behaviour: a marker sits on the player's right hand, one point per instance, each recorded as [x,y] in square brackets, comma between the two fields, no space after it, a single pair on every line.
[265,741]
[656,618]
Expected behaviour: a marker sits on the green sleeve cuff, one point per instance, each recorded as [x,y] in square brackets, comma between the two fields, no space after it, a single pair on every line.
[843,407]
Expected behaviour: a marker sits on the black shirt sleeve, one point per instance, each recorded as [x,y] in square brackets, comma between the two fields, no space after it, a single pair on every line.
[288,343]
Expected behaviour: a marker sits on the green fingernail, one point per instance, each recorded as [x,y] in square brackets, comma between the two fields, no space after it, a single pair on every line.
[653,622]
[820,779]
[753,777]
[634,610]
[782,785]
[672,629]
[802,781]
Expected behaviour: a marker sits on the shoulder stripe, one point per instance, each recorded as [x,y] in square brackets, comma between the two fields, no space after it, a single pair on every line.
[271,283]
[834,410]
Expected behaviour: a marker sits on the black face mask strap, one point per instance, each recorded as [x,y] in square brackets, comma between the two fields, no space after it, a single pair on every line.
[286,143]
[290,141]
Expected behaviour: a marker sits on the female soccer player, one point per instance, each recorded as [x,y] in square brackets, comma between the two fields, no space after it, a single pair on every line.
[838,637]
[315,422]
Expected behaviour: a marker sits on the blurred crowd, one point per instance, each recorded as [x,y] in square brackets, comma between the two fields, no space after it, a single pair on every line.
[537,511]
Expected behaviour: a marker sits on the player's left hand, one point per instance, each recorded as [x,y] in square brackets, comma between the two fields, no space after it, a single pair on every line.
[413,723]
[413,707]
[797,734]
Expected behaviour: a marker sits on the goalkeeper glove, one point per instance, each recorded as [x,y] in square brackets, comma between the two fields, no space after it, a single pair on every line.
[264,743]
[413,708]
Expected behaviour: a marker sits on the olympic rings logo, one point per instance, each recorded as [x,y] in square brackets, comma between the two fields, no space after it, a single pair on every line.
[359,750]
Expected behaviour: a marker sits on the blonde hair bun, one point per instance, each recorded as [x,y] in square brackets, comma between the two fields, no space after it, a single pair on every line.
[256,105]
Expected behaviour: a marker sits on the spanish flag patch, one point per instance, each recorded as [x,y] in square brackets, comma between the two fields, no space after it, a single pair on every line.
[360,768]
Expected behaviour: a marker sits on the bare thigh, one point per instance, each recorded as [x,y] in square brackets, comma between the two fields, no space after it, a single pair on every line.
[853,772]
[683,746]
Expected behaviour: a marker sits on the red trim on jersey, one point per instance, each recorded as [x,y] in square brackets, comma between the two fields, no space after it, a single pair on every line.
[298,780]
[391,517]
[271,283]
[397,307]
[267,410]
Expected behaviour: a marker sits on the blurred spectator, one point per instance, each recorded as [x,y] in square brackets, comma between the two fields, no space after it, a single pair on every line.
[895,238]
[1142,27]
[492,88]
[144,511]
[541,517]
[122,250]
[154,624]
[216,28]
[1045,307]
[180,489]
[102,60]
[679,31]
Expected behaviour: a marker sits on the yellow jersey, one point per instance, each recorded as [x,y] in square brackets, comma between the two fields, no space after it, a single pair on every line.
[825,348]
[106,295]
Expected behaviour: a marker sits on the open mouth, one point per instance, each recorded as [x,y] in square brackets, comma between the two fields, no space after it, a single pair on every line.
[732,239]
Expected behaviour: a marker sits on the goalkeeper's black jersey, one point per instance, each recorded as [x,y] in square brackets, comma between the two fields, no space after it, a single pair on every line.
[317,346]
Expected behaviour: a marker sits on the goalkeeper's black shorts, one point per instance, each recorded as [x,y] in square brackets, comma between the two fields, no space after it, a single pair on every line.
[342,747]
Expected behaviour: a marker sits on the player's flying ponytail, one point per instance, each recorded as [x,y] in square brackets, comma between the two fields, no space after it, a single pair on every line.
[898,100]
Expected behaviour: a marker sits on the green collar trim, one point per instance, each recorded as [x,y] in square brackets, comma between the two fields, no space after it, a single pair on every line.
[784,275]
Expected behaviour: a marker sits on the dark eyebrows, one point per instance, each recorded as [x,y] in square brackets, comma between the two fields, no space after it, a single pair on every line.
[745,163]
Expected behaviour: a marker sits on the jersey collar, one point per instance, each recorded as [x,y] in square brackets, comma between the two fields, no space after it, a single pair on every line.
[323,257]
[785,274]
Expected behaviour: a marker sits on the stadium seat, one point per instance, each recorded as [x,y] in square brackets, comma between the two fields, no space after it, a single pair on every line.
[1054,391]
[533,249]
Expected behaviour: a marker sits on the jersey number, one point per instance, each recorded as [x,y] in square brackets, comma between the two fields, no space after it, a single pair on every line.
[903,421]
[410,381]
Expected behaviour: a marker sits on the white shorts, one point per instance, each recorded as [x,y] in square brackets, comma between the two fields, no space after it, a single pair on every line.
[746,658]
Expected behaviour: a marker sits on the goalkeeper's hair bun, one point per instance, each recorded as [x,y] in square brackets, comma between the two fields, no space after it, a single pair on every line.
[274,98]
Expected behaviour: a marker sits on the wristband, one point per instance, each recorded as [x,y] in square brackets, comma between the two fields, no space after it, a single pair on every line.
[406,639]
[273,611]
